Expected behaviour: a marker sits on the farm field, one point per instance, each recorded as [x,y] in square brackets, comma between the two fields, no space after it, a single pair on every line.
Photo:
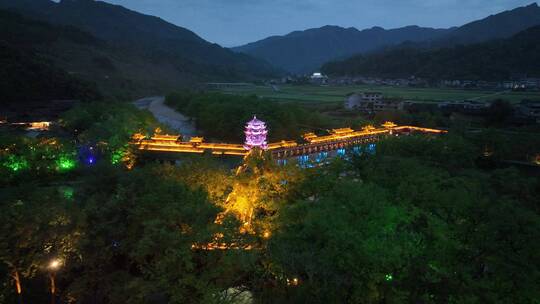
[321,95]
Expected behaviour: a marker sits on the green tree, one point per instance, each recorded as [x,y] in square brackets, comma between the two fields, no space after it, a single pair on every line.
[37,226]
[353,245]
[143,231]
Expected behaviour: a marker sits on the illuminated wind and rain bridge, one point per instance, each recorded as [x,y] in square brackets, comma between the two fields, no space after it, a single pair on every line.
[337,140]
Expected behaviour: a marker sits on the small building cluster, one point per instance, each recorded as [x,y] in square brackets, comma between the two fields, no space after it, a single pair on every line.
[528,110]
[371,102]
[518,84]
[318,79]
[465,107]
[514,83]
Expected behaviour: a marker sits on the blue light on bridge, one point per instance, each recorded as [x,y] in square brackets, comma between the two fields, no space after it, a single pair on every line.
[357,150]
[303,161]
[371,148]
[341,152]
[282,162]
[321,157]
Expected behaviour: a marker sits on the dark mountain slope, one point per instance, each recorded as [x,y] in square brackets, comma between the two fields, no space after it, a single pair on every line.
[502,25]
[29,75]
[494,60]
[70,53]
[305,51]
[155,40]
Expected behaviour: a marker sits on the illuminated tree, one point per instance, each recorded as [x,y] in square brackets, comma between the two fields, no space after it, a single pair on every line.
[260,187]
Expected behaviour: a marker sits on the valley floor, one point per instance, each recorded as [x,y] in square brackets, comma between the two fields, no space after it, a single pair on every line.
[324,95]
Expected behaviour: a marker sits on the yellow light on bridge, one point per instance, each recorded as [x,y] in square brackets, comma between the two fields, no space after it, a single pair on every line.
[368,128]
[196,140]
[389,125]
[341,131]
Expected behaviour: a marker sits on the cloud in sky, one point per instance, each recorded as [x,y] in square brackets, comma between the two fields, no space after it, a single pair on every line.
[235,22]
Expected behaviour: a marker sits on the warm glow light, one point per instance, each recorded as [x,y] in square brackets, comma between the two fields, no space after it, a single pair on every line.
[389,124]
[368,128]
[40,125]
[266,234]
[55,264]
[293,282]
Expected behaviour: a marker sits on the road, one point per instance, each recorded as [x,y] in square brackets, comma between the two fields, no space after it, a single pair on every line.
[166,115]
[491,95]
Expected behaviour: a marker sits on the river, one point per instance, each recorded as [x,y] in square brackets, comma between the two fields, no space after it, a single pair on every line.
[167,115]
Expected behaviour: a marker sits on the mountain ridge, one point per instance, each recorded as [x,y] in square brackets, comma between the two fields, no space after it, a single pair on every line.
[303,51]
[288,52]
[494,60]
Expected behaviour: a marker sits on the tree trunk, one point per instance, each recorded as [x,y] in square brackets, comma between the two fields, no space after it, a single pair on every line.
[53,289]
[18,287]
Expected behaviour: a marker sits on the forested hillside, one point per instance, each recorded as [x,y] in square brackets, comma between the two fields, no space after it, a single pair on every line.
[499,26]
[28,74]
[496,60]
[224,116]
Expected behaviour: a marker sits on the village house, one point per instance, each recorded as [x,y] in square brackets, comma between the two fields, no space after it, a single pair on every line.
[318,78]
[371,102]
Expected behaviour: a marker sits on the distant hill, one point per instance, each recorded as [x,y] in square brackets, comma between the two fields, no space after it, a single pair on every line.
[493,60]
[139,52]
[305,51]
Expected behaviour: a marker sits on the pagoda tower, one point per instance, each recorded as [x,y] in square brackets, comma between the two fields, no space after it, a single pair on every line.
[256,134]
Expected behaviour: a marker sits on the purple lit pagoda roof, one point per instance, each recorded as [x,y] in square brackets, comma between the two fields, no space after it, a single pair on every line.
[256,122]
[255,134]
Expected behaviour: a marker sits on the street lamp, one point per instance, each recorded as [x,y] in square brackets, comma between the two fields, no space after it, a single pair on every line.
[53,266]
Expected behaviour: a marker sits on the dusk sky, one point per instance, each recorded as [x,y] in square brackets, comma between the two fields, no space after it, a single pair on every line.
[235,22]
